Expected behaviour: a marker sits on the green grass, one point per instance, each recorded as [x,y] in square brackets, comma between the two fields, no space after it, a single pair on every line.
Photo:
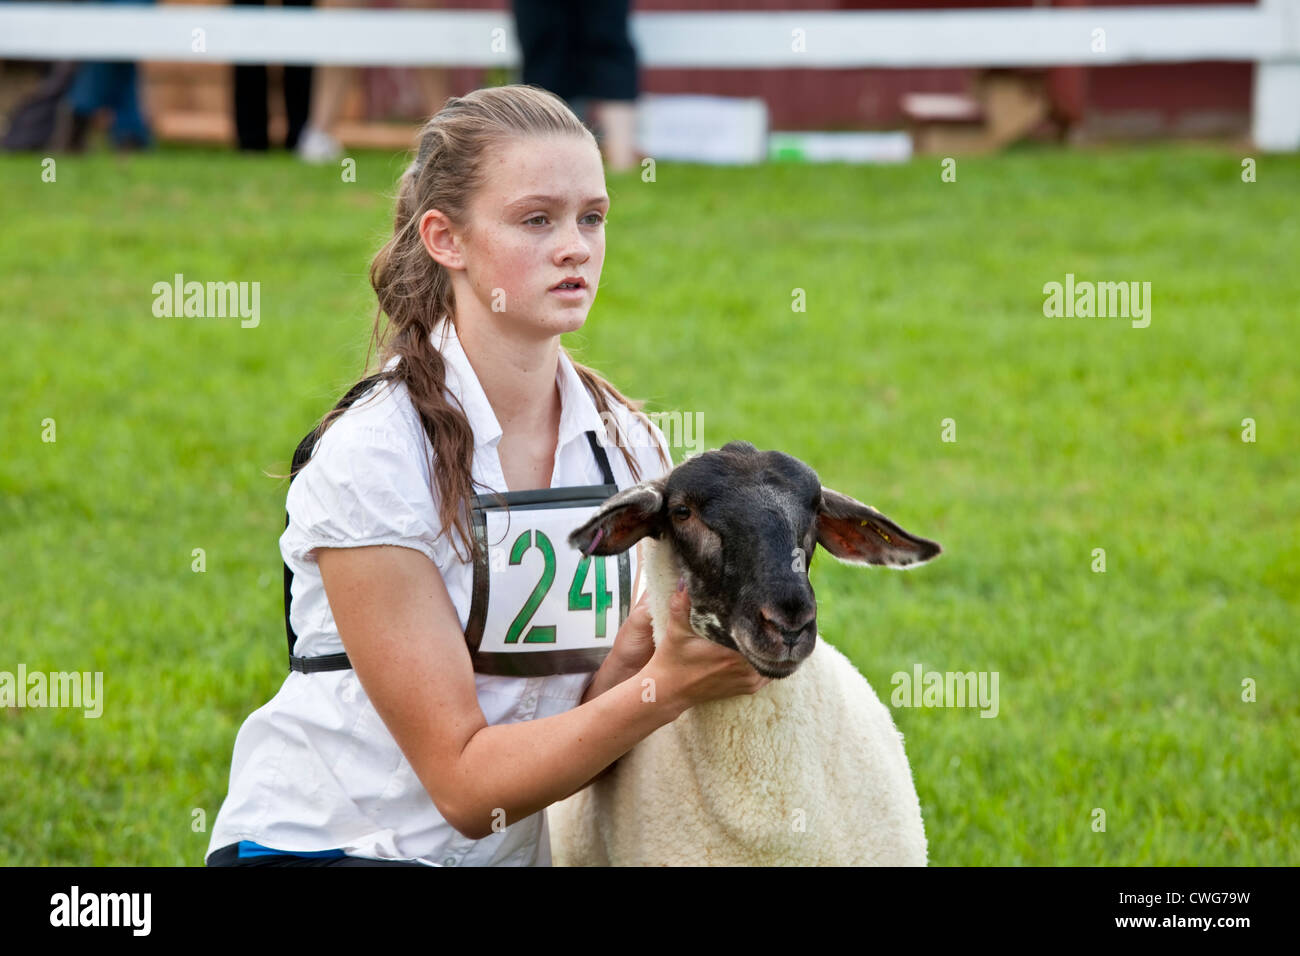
[1120,691]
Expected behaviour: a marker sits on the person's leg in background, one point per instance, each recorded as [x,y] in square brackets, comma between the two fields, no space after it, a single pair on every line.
[546,40]
[617,121]
[250,98]
[88,93]
[610,77]
[435,81]
[329,90]
[111,85]
[129,130]
[297,93]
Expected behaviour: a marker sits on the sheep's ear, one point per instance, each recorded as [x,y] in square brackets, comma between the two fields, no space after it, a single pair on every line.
[859,534]
[623,520]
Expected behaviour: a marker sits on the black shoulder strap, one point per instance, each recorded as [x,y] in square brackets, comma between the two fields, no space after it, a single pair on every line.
[601,458]
[624,563]
[300,457]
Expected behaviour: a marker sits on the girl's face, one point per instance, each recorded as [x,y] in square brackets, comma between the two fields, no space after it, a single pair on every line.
[538,220]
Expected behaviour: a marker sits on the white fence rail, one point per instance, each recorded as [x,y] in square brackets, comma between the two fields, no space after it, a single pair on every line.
[1267,34]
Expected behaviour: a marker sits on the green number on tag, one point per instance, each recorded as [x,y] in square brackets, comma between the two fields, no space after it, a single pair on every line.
[580,600]
[538,633]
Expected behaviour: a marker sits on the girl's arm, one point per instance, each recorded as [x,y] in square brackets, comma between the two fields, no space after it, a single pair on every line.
[610,674]
[403,636]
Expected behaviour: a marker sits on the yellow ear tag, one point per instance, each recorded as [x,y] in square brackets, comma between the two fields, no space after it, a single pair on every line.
[877,531]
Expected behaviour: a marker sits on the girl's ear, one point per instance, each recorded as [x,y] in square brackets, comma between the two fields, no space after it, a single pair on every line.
[623,520]
[437,235]
[859,534]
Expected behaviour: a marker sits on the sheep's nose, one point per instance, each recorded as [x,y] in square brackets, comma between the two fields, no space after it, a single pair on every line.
[788,622]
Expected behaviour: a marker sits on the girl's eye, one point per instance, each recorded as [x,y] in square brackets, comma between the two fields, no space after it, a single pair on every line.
[599,219]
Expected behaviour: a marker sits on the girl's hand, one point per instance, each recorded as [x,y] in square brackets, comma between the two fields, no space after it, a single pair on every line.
[688,669]
[634,644]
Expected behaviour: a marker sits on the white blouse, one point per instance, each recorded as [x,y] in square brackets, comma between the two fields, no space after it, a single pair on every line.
[316,768]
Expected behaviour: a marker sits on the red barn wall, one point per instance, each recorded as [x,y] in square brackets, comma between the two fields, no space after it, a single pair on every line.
[1158,98]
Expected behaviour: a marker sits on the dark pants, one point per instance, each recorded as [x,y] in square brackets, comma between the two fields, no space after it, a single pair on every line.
[577,49]
[229,856]
[112,85]
[250,96]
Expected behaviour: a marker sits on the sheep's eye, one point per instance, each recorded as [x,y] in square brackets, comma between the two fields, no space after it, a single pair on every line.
[681,513]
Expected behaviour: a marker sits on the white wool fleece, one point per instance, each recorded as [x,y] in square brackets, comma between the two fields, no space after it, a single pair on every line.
[808,771]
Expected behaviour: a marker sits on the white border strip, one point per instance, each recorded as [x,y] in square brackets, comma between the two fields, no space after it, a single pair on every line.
[815,39]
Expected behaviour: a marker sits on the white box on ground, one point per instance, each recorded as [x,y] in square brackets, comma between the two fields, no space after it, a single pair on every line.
[702,129]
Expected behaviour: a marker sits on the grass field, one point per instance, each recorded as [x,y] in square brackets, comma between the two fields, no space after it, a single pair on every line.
[1121,690]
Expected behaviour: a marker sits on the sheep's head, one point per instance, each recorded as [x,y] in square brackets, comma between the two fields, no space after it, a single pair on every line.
[742,525]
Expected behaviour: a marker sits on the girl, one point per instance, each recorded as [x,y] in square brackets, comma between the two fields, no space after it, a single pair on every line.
[437,705]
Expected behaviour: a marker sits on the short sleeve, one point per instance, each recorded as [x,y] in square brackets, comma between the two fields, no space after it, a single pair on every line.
[364,485]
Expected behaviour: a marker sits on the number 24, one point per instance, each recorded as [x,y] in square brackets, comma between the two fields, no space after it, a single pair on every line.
[579,600]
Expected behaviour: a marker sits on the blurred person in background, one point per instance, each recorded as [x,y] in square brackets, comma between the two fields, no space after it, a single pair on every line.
[111,86]
[319,142]
[250,96]
[580,50]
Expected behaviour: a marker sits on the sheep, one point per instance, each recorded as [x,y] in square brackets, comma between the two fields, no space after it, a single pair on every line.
[808,771]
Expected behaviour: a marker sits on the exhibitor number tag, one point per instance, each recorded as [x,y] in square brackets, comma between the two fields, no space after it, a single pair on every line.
[543,594]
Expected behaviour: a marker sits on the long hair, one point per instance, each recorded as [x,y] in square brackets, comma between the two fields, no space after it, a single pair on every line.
[414,290]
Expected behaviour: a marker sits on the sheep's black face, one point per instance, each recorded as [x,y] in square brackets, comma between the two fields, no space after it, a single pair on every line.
[744,524]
